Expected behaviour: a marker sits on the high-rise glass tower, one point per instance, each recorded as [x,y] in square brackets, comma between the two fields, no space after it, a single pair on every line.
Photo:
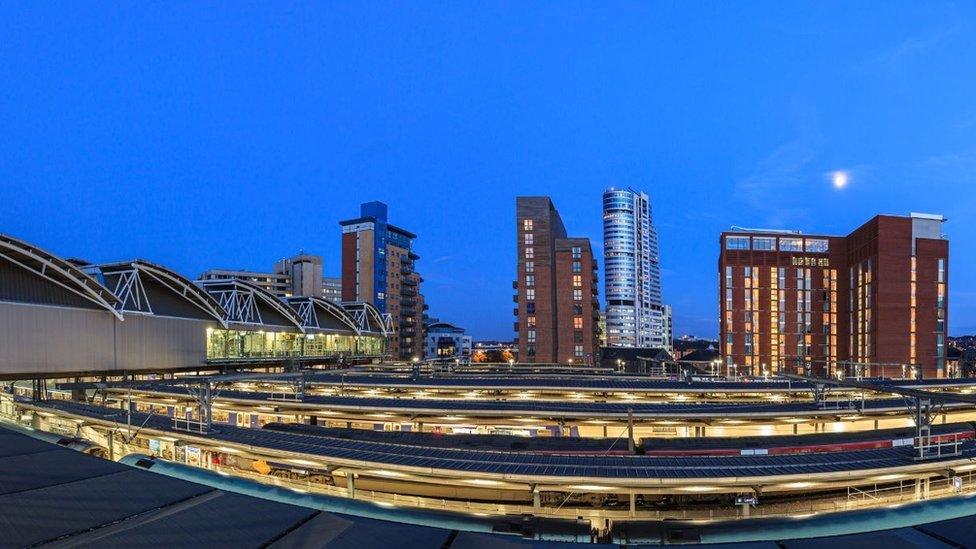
[635,309]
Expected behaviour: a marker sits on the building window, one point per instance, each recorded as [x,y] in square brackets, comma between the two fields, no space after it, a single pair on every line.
[577,253]
[529,239]
[577,281]
[530,266]
[578,350]
[529,253]
[737,243]
[530,307]
[578,322]
[941,270]
[530,280]
[791,244]
[527,224]
[530,336]
[577,295]
[530,321]
[530,294]
[577,267]
[817,245]
[764,243]
[577,309]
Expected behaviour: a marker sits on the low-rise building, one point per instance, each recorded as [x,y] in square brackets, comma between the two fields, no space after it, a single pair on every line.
[298,276]
[446,340]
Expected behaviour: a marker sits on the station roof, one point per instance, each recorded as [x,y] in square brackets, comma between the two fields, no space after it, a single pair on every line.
[247,303]
[552,408]
[320,314]
[49,275]
[596,383]
[49,493]
[367,317]
[156,290]
[633,470]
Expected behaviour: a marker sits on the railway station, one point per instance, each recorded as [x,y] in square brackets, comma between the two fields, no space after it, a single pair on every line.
[227,384]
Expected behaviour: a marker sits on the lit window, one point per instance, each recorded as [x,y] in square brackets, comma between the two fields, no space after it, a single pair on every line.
[530,266]
[577,253]
[577,295]
[815,245]
[529,253]
[577,281]
[530,321]
[527,224]
[578,322]
[530,293]
[578,350]
[530,336]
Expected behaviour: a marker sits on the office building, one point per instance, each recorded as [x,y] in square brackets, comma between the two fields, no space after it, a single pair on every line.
[446,341]
[874,302]
[304,271]
[298,276]
[378,268]
[277,284]
[332,288]
[635,312]
[557,312]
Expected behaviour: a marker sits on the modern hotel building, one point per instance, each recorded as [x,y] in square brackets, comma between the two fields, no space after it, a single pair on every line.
[874,302]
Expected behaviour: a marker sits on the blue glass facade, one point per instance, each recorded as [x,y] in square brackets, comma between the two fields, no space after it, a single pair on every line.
[378,211]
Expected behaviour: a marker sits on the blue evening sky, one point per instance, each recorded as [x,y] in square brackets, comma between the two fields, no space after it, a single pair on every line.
[230,134]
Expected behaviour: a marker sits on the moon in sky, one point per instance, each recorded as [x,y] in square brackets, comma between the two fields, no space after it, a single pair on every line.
[840,179]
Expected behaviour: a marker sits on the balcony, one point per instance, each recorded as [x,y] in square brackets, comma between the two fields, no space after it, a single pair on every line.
[408,292]
[515,284]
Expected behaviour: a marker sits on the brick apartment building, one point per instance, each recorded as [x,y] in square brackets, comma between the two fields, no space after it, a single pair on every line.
[874,302]
[378,267]
[557,311]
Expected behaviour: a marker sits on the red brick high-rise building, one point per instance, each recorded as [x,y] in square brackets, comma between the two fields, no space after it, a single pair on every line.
[872,303]
[557,309]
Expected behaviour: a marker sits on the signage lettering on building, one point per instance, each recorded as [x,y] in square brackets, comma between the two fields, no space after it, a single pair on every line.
[810,262]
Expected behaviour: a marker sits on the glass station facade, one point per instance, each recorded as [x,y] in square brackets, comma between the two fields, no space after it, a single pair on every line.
[243,344]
